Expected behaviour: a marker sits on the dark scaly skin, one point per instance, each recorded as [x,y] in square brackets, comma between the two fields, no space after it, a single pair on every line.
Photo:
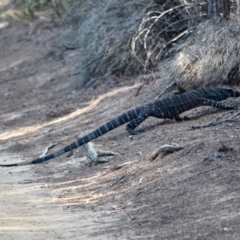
[163,108]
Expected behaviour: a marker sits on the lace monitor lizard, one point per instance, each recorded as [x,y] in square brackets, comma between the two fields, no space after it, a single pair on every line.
[169,107]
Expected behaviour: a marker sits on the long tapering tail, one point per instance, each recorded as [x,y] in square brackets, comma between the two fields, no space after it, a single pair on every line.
[116,122]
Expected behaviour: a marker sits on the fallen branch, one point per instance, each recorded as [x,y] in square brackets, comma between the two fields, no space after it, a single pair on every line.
[165,150]
[90,153]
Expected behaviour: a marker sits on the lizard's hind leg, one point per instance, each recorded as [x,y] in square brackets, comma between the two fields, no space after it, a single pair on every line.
[135,122]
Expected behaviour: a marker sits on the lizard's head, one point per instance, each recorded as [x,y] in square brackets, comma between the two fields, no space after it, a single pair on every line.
[219,94]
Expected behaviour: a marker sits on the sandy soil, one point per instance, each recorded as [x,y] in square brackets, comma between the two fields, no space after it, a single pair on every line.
[27,213]
[190,194]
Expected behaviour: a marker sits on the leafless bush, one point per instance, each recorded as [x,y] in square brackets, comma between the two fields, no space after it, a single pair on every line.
[160,30]
[105,36]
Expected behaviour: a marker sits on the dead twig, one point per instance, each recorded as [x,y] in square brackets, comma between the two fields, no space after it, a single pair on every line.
[146,81]
[200,173]
[46,150]
[123,165]
[139,89]
[149,18]
[120,178]
[217,121]
[165,89]
[110,185]
[173,40]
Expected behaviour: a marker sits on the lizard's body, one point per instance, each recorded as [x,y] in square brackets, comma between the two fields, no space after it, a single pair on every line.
[169,107]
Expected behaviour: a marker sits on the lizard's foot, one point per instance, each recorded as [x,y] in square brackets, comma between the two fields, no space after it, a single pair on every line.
[133,132]
[235,106]
[185,118]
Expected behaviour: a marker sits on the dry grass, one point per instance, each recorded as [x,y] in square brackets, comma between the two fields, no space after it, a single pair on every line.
[133,37]
[104,37]
[128,37]
[210,56]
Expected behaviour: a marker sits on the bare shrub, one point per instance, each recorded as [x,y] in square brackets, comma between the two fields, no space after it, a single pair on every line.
[160,30]
[105,36]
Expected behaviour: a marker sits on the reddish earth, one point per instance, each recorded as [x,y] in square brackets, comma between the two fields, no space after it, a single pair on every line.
[189,194]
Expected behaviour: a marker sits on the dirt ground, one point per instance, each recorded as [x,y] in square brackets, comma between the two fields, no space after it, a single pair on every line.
[189,194]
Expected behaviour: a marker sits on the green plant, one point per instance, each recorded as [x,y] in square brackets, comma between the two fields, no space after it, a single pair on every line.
[28,8]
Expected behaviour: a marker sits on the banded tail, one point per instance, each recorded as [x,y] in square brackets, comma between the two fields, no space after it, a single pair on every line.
[109,126]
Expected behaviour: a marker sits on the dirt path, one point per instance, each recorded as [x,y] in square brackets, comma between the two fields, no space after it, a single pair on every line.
[26,211]
[31,98]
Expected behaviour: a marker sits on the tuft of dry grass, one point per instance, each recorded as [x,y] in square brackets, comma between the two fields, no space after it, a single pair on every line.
[211,56]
